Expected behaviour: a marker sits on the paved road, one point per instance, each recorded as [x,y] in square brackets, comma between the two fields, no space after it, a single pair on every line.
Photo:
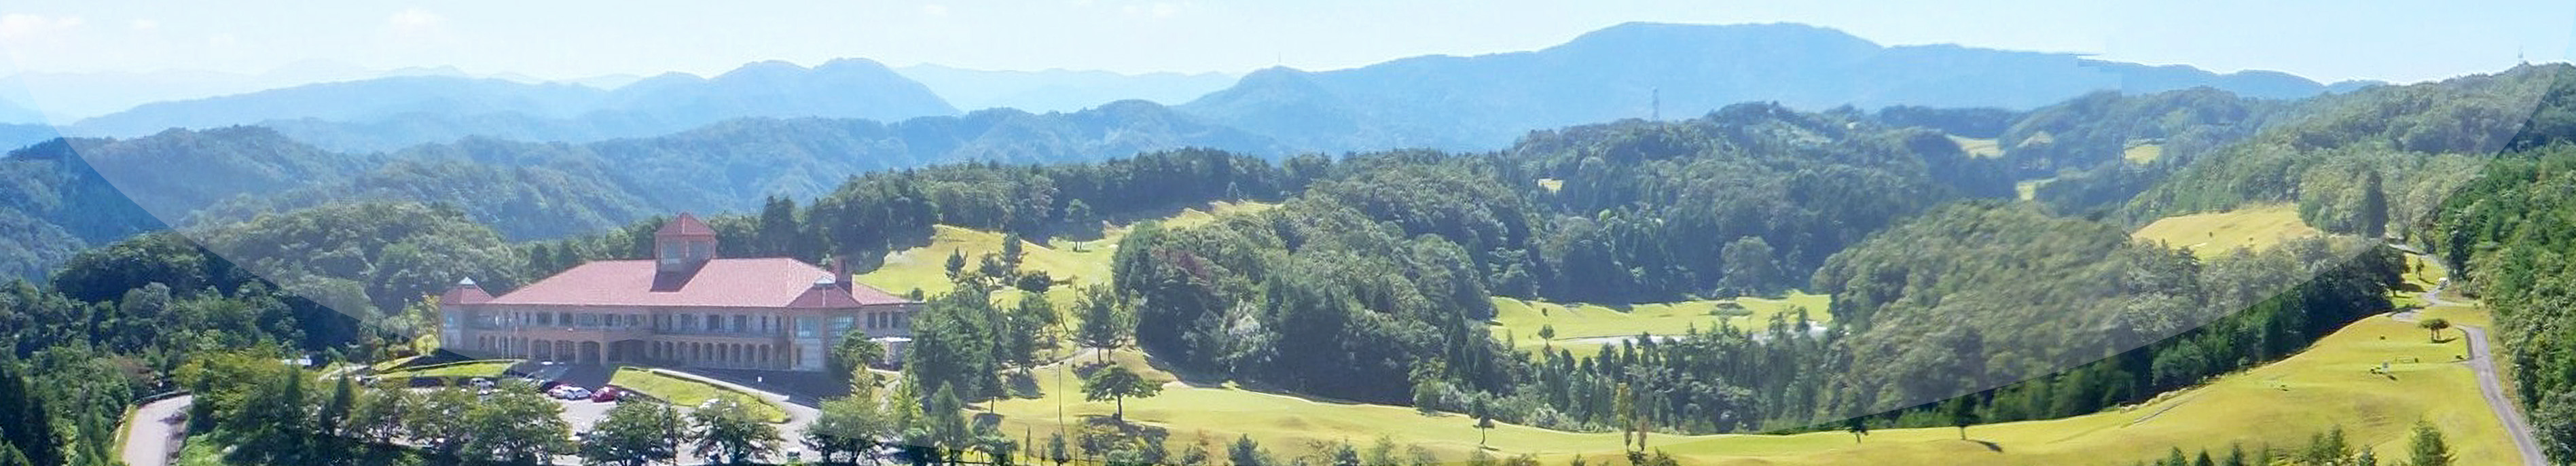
[157,431]
[2482,361]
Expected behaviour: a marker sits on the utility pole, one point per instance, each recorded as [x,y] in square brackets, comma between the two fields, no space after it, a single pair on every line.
[1656,111]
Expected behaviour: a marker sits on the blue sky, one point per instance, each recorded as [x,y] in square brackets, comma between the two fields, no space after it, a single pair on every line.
[2396,40]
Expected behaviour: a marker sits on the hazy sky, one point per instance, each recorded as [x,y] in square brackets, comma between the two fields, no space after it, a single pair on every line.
[2325,40]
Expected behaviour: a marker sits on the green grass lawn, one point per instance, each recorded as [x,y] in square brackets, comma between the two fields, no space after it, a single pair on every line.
[461,369]
[2213,234]
[2143,154]
[689,393]
[1979,147]
[391,364]
[2278,404]
[1581,327]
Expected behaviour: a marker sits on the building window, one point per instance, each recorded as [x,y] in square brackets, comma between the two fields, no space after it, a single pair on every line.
[741,323]
[805,326]
[841,325]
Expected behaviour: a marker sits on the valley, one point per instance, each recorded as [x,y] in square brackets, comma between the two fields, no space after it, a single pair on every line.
[1650,244]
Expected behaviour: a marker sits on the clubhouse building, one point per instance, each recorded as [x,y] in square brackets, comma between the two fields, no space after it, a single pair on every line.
[684,307]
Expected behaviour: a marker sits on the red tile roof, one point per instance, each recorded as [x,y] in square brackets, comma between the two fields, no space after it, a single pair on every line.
[465,292]
[760,282]
[685,225]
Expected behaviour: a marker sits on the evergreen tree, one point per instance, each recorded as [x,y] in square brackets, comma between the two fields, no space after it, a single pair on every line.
[1012,251]
[9,456]
[25,423]
[335,410]
[2373,212]
[852,354]
[201,412]
[1245,452]
[1963,413]
[1858,426]
[2428,448]
[1107,321]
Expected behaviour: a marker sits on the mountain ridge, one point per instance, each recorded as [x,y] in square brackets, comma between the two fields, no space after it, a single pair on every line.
[1639,70]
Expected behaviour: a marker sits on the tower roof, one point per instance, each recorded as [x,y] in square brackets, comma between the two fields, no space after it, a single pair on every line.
[465,292]
[686,226]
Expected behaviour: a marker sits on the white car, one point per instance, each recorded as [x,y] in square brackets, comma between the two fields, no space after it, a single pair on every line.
[573,393]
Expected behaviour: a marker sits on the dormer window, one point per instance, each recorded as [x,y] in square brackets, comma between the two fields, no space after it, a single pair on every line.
[683,244]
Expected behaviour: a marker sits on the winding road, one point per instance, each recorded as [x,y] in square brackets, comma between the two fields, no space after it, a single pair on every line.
[157,431]
[2482,361]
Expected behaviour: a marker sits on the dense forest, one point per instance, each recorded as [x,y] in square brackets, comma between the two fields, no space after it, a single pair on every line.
[2508,231]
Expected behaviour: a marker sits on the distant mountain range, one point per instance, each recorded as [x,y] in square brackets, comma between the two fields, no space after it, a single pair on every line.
[72,96]
[387,113]
[1060,90]
[1637,70]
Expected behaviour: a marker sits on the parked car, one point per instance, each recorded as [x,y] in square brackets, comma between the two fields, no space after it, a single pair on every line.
[608,394]
[573,393]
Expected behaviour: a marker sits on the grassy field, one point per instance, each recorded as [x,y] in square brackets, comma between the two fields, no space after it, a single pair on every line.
[1584,326]
[2219,233]
[2029,189]
[1075,262]
[689,393]
[2278,404]
[461,369]
[1979,148]
[2143,154]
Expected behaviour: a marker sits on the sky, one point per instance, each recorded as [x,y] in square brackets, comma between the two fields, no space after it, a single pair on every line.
[2401,41]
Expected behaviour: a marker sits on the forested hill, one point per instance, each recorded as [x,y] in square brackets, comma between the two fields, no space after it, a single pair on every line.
[2409,146]
[545,190]
[388,113]
[58,196]
[536,190]
[1483,102]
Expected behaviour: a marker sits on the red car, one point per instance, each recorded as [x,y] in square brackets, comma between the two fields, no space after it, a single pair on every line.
[608,394]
